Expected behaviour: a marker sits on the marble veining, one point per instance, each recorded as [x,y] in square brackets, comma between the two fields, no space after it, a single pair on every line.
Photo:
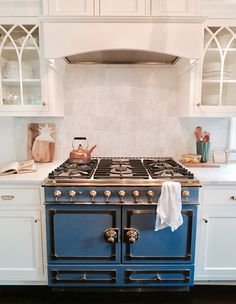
[126,110]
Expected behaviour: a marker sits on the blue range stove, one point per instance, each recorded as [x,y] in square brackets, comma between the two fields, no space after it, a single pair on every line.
[100,220]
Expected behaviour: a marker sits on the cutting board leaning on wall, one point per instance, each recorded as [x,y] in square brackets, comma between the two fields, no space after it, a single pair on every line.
[41,142]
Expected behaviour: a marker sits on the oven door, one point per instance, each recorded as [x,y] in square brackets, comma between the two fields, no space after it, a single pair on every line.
[141,244]
[81,234]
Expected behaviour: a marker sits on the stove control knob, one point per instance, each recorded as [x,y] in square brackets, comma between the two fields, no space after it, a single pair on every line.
[93,194]
[72,193]
[185,194]
[107,194]
[136,194]
[57,194]
[150,195]
[121,194]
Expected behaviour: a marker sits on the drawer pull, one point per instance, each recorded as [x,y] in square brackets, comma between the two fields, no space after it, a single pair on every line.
[7,197]
[83,278]
[233,197]
[158,277]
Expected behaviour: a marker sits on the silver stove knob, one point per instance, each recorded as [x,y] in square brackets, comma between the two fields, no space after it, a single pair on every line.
[150,194]
[107,194]
[57,193]
[93,194]
[72,193]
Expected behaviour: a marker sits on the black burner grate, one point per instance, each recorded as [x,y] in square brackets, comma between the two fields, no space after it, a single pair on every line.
[166,168]
[71,170]
[123,168]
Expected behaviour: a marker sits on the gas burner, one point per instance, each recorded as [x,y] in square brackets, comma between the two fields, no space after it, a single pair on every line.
[120,168]
[166,168]
[74,170]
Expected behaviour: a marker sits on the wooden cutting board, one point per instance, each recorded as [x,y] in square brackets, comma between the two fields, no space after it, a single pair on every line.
[40,146]
[201,165]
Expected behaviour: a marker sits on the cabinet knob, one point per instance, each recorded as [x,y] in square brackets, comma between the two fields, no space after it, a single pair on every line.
[205,220]
[198,104]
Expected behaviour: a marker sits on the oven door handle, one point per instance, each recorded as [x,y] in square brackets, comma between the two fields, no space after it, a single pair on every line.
[131,235]
[111,235]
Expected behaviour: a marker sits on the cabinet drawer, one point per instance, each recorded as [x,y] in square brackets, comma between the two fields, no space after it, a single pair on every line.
[12,196]
[82,276]
[159,275]
[219,196]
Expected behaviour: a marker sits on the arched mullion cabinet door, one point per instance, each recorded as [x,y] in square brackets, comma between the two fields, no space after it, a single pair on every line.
[29,56]
[11,89]
[219,67]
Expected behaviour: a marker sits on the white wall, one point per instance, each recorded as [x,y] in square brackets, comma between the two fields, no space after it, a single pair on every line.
[125,110]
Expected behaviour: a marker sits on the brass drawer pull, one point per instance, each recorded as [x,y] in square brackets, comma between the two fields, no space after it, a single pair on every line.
[7,197]
[233,197]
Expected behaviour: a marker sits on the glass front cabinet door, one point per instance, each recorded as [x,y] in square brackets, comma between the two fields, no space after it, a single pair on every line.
[20,69]
[219,72]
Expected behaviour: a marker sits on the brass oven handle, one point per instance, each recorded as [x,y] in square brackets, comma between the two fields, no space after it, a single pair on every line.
[233,197]
[111,235]
[132,235]
[7,197]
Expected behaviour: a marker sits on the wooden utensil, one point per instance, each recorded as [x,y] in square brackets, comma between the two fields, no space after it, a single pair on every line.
[198,133]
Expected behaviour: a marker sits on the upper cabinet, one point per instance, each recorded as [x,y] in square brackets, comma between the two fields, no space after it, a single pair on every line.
[175,8]
[20,66]
[70,7]
[219,67]
[122,7]
[25,75]
[207,87]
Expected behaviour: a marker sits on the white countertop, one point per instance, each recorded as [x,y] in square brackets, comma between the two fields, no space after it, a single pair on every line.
[33,177]
[225,174]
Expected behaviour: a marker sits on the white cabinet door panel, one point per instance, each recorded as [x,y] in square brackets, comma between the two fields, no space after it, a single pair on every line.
[71,7]
[216,244]
[173,7]
[122,7]
[21,248]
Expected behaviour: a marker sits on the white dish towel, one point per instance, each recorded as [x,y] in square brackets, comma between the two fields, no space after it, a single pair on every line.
[168,213]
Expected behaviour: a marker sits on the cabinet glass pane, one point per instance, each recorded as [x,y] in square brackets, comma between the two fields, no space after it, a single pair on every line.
[32,92]
[229,94]
[20,65]
[210,94]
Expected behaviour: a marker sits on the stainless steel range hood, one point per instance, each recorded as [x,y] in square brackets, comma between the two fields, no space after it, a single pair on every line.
[121,56]
[122,40]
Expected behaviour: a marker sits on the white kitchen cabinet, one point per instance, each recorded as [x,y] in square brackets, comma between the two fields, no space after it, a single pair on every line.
[70,7]
[122,7]
[216,240]
[24,81]
[207,88]
[175,8]
[21,229]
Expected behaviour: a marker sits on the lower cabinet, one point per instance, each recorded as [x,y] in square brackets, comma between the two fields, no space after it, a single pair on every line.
[21,253]
[216,238]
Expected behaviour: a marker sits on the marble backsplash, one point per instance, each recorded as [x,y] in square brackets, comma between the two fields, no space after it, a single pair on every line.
[125,110]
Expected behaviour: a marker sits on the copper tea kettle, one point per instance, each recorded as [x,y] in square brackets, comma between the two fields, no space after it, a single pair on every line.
[81,155]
